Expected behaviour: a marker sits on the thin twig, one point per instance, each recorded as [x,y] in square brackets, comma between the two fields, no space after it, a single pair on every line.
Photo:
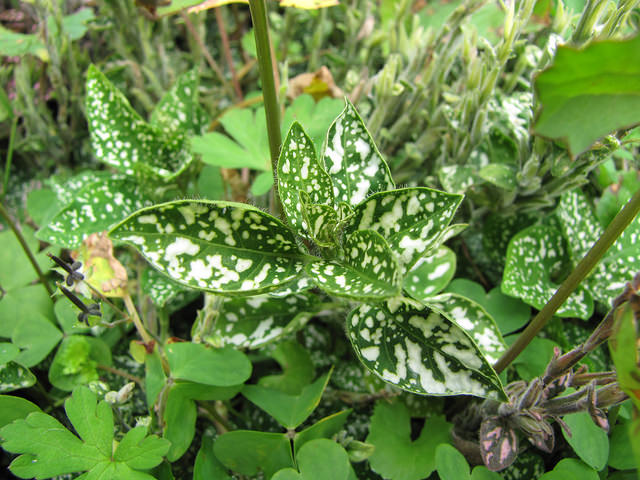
[226,48]
[133,313]
[122,373]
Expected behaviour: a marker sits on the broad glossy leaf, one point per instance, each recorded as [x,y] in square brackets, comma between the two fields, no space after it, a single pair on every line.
[248,452]
[300,171]
[369,269]
[532,256]
[572,469]
[498,443]
[76,361]
[430,274]
[223,247]
[289,410]
[620,447]
[412,220]
[36,336]
[589,93]
[14,376]
[420,351]
[450,463]
[13,408]
[178,108]
[589,441]
[395,455]
[96,207]
[251,322]
[123,140]
[221,367]
[353,160]
[474,319]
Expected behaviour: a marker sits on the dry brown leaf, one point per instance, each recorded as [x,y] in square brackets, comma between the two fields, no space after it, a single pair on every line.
[100,268]
[319,84]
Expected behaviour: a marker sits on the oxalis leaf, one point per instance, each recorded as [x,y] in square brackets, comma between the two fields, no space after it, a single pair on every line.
[368,271]
[412,220]
[532,255]
[222,247]
[589,93]
[420,351]
[123,140]
[96,207]
[300,171]
[48,449]
[353,160]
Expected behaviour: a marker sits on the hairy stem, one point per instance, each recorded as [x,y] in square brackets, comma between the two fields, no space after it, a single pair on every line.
[579,273]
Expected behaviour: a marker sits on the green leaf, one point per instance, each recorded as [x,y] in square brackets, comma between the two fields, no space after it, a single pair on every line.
[571,469]
[123,140]
[395,455]
[207,466]
[36,336]
[8,351]
[159,287]
[509,313]
[620,448]
[430,274]
[14,376]
[319,459]
[473,319]
[48,449]
[534,359]
[20,304]
[324,428]
[76,361]
[623,346]
[589,93]
[95,208]
[315,117]
[262,184]
[297,367]
[178,108]
[589,441]
[503,176]
[223,247]
[532,256]
[14,408]
[248,452]
[42,205]
[14,44]
[353,160]
[450,463]
[412,220]
[321,220]
[154,377]
[369,270]
[289,410]
[420,351]
[222,367]
[300,171]
[15,268]
[255,321]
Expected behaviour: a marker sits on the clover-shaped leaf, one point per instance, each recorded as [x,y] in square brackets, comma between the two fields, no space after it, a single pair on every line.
[319,459]
[420,350]
[222,247]
[48,449]
[532,256]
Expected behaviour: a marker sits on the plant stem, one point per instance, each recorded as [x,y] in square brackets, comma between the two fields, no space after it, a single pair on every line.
[7,163]
[133,314]
[579,273]
[265,62]
[122,373]
[226,48]
[25,247]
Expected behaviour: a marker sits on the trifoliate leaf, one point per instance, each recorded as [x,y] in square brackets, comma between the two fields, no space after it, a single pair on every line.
[222,247]
[300,171]
[353,160]
[430,274]
[420,351]
[532,256]
[48,449]
[412,220]
[368,271]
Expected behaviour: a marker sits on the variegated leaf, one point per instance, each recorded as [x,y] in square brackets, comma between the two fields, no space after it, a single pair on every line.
[412,220]
[367,272]
[14,376]
[300,171]
[533,256]
[420,351]
[160,288]
[298,285]
[123,140]
[473,319]
[95,208]
[431,274]
[321,221]
[178,109]
[255,321]
[353,160]
[581,230]
[498,443]
[67,189]
[223,247]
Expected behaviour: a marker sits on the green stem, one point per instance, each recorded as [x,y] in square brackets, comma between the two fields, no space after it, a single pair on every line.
[265,62]
[25,247]
[7,164]
[590,260]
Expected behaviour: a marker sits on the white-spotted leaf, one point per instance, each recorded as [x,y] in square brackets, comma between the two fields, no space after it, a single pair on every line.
[96,207]
[431,274]
[123,140]
[300,171]
[255,321]
[321,221]
[298,285]
[178,109]
[532,256]
[223,247]
[353,160]
[473,319]
[367,272]
[14,376]
[159,287]
[413,220]
[420,351]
